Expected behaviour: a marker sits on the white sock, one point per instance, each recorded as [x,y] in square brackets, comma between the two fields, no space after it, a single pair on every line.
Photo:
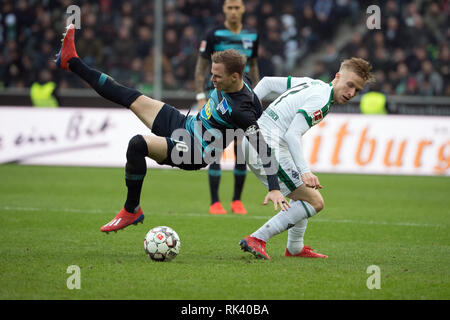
[284,220]
[295,237]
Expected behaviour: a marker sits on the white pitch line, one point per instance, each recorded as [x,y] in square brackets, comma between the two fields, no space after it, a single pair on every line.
[7,208]
[200,215]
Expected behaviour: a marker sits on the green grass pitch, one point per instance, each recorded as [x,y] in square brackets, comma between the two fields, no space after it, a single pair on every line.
[51,216]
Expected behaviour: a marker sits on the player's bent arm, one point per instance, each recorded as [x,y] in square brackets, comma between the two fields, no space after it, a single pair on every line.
[270,84]
[244,118]
[277,85]
[200,70]
[293,137]
[256,139]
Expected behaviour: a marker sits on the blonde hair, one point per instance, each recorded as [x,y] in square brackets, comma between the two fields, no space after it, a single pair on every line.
[360,67]
[232,60]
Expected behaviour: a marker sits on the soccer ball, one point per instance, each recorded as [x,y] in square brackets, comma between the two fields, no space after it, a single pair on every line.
[162,244]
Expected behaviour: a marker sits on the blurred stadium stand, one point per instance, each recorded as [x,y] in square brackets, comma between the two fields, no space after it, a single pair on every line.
[410,53]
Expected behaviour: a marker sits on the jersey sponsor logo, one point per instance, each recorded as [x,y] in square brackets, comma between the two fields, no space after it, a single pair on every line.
[206,111]
[203,46]
[223,106]
[272,114]
[247,44]
[317,116]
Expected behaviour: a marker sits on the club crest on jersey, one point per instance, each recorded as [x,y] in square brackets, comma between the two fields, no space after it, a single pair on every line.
[223,106]
[247,44]
[317,116]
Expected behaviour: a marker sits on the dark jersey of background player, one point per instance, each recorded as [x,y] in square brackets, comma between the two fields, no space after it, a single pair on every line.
[245,42]
[230,35]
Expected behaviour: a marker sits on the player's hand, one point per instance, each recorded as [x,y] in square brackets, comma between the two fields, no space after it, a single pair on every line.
[277,198]
[311,181]
[201,103]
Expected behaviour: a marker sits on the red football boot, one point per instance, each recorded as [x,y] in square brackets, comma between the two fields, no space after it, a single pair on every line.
[123,219]
[306,252]
[68,50]
[217,208]
[255,246]
[238,207]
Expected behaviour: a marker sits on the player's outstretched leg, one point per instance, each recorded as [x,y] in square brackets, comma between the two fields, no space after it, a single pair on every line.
[104,85]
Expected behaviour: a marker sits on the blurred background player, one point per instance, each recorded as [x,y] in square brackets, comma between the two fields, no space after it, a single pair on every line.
[232,34]
[303,103]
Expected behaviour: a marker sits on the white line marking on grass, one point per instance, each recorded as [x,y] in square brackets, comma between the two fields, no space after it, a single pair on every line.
[6,208]
[200,215]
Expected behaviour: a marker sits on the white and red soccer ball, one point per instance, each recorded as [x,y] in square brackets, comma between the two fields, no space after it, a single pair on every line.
[162,244]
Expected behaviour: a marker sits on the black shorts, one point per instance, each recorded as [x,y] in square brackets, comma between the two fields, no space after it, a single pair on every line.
[181,151]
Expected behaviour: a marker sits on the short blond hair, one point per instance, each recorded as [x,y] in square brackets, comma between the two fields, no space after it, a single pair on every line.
[360,67]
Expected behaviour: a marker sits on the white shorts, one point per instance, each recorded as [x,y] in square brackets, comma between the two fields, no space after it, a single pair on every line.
[288,176]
